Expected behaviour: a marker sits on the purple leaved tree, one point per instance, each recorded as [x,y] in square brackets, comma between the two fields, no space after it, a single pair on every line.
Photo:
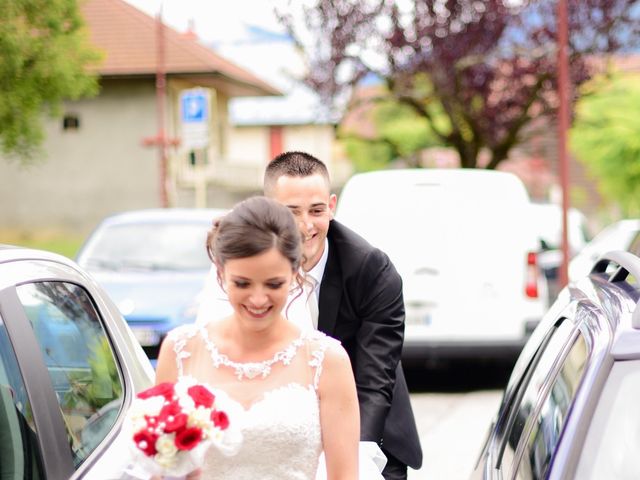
[477,71]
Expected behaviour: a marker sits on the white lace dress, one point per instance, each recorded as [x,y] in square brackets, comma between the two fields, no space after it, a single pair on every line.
[275,401]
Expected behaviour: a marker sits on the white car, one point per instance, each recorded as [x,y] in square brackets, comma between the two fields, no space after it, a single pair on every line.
[70,368]
[462,242]
[547,221]
[621,235]
[569,411]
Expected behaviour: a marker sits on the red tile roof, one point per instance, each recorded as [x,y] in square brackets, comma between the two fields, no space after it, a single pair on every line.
[127,37]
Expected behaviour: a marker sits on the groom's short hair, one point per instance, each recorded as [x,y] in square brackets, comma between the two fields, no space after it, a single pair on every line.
[293,164]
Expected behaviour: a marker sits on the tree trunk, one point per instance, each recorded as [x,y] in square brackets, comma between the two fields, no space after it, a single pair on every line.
[468,154]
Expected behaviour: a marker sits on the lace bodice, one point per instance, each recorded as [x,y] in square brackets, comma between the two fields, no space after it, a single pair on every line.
[275,401]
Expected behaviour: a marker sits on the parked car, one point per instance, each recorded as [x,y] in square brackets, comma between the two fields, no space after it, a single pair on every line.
[621,235]
[464,246]
[569,410]
[153,264]
[69,369]
[546,219]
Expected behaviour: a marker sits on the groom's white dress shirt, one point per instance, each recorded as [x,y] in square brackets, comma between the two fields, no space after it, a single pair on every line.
[301,308]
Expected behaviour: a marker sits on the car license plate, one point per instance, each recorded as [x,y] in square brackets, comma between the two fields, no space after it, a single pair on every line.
[146,336]
[418,318]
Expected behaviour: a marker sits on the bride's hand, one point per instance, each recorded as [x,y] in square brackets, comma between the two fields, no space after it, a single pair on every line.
[195,475]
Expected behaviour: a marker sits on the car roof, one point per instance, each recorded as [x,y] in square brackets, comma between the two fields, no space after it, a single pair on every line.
[486,187]
[554,210]
[444,175]
[619,299]
[595,292]
[626,327]
[12,253]
[160,215]
[629,224]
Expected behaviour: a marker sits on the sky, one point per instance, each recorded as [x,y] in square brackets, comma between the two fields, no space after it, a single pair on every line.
[248,33]
[218,21]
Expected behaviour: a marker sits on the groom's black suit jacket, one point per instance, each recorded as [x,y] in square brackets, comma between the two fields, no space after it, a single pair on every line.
[361,305]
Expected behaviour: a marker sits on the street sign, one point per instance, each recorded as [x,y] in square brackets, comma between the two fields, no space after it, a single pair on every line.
[194,106]
[196,123]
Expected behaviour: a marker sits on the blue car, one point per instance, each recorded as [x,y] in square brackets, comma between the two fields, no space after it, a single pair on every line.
[153,264]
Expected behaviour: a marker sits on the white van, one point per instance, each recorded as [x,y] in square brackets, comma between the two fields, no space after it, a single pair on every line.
[462,243]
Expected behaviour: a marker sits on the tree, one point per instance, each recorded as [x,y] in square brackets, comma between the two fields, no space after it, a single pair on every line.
[43,60]
[399,133]
[489,66]
[606,138]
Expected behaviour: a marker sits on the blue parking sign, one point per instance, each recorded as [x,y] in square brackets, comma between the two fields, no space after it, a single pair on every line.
[194,107]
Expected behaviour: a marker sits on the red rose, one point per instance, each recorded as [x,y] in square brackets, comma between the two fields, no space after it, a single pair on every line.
[164,389]
[220,419]
[188,438]
[152,421]
[201,396]
[175,423]
[146,441]
[171,408]
[172,416]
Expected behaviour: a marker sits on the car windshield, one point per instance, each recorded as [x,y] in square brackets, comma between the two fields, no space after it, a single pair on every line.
[150,246]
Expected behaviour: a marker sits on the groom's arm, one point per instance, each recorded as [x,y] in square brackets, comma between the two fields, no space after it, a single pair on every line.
[378,342]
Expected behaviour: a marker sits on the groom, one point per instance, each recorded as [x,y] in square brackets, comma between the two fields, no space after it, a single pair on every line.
[359,302]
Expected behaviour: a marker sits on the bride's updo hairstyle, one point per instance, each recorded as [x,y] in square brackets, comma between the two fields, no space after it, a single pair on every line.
[254,226]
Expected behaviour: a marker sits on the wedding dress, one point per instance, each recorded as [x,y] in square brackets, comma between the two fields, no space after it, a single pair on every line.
[275,402]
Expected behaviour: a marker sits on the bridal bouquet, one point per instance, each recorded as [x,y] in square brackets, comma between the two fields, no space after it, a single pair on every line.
[172,425]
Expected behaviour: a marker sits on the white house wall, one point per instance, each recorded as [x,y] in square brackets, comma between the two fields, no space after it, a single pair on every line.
[250,146]
[318,140]
[99,169]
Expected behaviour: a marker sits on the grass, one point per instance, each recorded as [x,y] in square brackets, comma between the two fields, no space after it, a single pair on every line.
[66,244]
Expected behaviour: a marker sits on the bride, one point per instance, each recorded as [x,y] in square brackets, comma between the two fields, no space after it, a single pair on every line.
[294,390]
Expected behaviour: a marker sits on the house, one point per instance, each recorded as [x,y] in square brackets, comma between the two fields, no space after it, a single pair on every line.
[103,155]
[263,127]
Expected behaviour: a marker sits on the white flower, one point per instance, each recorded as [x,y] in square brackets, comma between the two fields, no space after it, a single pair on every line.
[138,423]
[165,461]
[186,403]
[149,406]
[201,417]
[165,445]
[182,385]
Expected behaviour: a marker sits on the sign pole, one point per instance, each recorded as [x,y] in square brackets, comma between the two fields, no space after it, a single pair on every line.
[563,127]
[160,101]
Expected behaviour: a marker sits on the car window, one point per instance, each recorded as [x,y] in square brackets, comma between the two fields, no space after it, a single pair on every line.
[528,392]
[541,441]
[19,451]
[79,359]
[151,246]
[610,449]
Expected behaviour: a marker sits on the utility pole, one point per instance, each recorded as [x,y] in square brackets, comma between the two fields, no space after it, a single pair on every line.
[563,127]
[161,140]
